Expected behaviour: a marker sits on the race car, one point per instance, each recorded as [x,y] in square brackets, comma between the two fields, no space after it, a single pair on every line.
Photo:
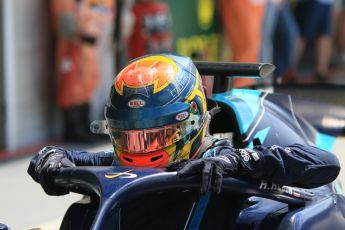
[149,198]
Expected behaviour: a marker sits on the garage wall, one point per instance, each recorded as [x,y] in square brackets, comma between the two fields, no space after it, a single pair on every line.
[2,94]
[28,81]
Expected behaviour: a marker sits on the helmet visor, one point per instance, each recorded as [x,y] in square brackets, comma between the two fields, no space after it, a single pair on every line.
[152,139]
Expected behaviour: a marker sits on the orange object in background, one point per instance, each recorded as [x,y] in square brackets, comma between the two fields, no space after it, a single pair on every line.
[78,26]
[152,29]
[68,74]
[242,23]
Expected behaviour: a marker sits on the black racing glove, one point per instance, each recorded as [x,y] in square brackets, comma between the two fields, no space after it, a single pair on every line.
[212,170]
[45,165]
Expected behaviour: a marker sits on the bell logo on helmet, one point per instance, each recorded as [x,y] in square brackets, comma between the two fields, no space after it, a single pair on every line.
[182,116]
[158,71]
[136,103]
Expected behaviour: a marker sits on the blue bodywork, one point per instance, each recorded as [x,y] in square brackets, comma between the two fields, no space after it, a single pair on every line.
[269,118]
[250,117]
[277,119]
[272,207]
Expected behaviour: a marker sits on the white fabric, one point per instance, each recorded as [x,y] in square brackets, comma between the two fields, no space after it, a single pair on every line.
[258,2]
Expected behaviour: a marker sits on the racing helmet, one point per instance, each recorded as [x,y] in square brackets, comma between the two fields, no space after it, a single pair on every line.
[156,112]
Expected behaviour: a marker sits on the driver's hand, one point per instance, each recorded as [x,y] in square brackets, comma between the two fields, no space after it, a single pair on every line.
[212,170]
[45,165]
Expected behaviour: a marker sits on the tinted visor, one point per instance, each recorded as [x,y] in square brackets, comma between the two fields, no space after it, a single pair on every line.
[152,139]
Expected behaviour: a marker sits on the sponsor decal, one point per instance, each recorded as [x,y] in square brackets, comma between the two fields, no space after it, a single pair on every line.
[255,156]
[182,116]
[136,103]
[296,193]
[274,147]
[265,185]
[245,155]
[123,175]
[194,107]
[287,149]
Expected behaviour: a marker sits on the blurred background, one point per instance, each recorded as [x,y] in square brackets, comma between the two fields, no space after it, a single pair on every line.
[59,58]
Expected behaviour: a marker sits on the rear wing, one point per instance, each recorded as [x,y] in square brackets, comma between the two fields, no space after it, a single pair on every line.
[223,71]
[234,69]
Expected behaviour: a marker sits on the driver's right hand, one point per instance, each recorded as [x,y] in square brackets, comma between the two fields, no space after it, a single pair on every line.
[45,165]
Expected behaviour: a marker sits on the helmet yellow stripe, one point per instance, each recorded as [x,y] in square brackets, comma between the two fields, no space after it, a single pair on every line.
[196,92]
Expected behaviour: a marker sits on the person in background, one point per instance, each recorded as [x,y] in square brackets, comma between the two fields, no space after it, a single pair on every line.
[280,33]
[151,30]
[107,59]
[272,10]
[315,18]
[123,26]
[284,43]
[339,39]
[242,24]
[77,25]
